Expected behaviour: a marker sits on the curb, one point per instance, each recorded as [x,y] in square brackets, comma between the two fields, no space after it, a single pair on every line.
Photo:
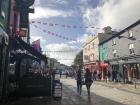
[97,83]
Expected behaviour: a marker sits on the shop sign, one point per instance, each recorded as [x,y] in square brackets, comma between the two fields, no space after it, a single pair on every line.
[23,32]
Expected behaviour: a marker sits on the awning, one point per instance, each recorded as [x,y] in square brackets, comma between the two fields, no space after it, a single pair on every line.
[4,39]
[16,56]
[23,45]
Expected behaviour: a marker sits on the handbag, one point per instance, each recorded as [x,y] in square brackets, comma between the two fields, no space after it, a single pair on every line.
[83,81]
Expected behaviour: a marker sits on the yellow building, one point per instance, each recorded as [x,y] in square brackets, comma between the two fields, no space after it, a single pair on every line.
[91,53]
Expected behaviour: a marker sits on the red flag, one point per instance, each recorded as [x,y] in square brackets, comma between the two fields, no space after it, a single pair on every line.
[69,26]
[74,27]
[44,23]
[50,24]
[49,32]
[36,45]
[44,30]
[56,24]
[39,22]
[52,33]
[63,25]
[32,21]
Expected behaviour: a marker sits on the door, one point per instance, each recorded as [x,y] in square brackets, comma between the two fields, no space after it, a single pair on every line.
[1,69]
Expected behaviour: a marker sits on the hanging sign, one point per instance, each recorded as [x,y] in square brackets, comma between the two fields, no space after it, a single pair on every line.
[23,32]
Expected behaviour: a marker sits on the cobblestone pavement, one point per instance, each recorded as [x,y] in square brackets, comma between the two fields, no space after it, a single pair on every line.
[111,92]
[101,95]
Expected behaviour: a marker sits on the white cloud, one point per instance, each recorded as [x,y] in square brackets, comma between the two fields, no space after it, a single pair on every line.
[83,38]
[117,14]
[63,57]
[64,2]
[47,13]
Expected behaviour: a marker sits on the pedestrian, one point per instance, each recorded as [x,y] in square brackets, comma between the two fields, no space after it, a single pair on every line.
[95,75]
[88,80]
[79,81]
[67,74]
[60,73]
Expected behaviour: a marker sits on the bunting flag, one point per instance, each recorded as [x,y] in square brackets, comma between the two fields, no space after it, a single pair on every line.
[36,45]
[62,25]
[54,34]
[68,26]
[69,51]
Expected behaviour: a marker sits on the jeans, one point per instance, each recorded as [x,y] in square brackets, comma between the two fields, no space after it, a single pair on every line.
[88,88]
[79,87]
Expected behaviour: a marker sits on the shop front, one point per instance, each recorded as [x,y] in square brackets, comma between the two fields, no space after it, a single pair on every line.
[104,71]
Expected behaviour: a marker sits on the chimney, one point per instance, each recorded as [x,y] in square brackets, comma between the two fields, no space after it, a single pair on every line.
[107,29]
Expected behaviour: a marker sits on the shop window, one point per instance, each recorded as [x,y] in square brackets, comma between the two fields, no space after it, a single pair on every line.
[131,48]
[130,34]
[114,53]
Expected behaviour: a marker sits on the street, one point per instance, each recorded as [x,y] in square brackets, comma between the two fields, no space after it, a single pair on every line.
[100,95]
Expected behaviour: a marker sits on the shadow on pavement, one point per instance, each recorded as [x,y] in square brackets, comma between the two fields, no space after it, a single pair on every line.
[70,97]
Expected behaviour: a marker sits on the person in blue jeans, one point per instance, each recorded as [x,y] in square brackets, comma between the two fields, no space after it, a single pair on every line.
[88,80]
[79,81]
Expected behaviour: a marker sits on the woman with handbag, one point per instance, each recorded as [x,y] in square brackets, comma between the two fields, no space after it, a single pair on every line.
[88,80]
[79,81]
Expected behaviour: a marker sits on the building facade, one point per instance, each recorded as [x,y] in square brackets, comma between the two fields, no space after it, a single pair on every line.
[123,53]
[91,53]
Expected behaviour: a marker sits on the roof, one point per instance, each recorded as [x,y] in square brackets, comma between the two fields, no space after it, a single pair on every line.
[105,36]
[119,33]
[23,45]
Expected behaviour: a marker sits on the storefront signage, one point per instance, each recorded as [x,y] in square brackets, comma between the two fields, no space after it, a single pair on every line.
[23,32]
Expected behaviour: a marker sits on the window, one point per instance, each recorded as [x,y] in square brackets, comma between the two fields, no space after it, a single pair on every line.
[113,42]
[89,47]
[115,53]
[131,48]
[85,57]
[93,57]
[93,45]
[85,50]
[130,33]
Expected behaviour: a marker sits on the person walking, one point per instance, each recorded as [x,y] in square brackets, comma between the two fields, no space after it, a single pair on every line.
[79,81]
[88,80]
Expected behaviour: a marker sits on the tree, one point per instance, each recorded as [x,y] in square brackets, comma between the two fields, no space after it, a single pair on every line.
[79,58]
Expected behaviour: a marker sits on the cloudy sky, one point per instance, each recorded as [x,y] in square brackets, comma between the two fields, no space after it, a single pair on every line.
[79,13]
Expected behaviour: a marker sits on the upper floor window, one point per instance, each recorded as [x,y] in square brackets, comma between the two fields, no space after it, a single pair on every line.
[85,50]
[131,48]
[113,42]
[92,57]
[130,33]
[93,45]
[89,47]
[114,53]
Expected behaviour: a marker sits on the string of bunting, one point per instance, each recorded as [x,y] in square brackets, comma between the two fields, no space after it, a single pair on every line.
[71,26]
[56,35]
[62,25]
[74,50]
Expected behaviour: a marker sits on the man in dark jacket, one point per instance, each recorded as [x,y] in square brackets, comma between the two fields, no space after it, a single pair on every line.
[79,81]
